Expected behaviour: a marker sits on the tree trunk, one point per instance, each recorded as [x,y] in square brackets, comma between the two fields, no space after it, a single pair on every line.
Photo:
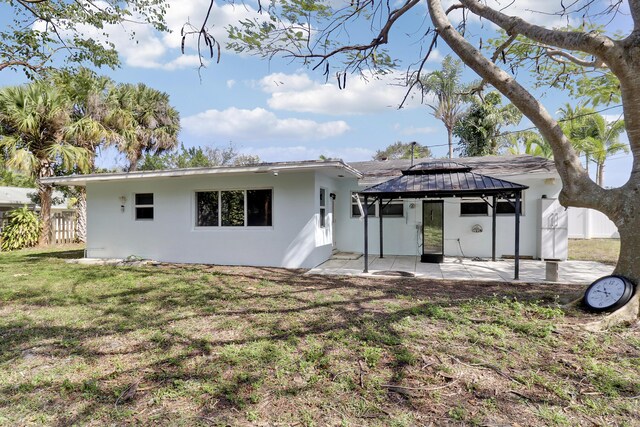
[82,215]
[600,174]
[450,139]
[44,192]
[621,205]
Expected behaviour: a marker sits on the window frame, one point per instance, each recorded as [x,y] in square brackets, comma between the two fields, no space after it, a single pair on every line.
[473,200]
[376,208]
[508,200]
[219,191]
[322,211]
[137,206]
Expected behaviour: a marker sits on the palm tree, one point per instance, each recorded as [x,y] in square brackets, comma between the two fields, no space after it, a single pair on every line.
[603,141]
[88,94]
[449,102]
[145,121]
[591,135]
[575,124]
[34,123]
[534,144]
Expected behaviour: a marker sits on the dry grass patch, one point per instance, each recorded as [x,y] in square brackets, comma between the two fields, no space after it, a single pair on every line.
[212,345]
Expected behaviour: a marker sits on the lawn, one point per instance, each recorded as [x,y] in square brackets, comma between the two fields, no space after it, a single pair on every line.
[212,345]
[601,250]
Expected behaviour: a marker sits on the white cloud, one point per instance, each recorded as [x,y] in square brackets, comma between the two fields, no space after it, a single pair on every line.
[297,92]
[258,125]
[299,152]
[231,83]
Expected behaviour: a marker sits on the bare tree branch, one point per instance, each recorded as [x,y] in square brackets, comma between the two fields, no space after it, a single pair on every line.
[554,53]
[589,42]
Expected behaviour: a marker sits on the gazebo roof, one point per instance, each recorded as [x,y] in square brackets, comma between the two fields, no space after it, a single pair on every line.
[443,179]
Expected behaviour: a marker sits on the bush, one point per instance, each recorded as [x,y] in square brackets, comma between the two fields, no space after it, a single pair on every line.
[22,230]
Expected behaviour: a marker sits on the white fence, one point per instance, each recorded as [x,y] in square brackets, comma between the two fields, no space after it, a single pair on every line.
[590,224]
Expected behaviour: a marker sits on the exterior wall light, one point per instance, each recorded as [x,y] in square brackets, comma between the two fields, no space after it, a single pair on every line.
[123,200]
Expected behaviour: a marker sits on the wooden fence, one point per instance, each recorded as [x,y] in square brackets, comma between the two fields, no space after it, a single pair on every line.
[64,227]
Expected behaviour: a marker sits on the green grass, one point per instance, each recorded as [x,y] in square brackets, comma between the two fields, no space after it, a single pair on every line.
[601,250]
[211,345]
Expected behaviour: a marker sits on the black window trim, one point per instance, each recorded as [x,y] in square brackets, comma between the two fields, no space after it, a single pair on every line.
[194,206]
[136,206]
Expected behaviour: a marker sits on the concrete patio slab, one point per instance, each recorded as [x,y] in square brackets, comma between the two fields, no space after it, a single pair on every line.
[455,268]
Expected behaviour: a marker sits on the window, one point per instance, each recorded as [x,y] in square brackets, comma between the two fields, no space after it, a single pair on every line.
[259,208]
[508,207]
[144,206]
[207,209]
[473,207]
[394,208]
[323,207]
[234,208]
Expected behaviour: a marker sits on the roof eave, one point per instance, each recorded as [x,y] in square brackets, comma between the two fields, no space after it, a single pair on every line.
[82,180]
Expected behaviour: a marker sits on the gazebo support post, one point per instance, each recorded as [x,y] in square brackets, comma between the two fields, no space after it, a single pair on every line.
[516,267]
[380,215]
[493,230]
[366,234]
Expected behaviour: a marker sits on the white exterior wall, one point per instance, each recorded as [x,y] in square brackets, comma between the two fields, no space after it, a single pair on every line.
[402,235]
[295,240]
[589,224]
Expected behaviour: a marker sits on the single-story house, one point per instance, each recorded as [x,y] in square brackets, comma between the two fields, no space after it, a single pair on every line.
[295,214]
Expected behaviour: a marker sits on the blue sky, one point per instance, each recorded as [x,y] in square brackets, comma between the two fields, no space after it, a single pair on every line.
[282,111]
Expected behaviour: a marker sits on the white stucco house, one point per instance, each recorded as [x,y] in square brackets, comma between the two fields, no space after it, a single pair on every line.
[295,214]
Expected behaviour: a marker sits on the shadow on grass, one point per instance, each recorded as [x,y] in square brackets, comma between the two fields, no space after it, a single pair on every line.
[242,324]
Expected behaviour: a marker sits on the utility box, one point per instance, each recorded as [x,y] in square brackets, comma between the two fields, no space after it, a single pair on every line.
[554,231]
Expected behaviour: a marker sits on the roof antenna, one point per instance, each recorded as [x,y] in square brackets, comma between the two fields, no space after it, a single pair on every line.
[413,146]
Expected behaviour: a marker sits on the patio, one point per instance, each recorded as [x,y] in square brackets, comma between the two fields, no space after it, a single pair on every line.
[453,268]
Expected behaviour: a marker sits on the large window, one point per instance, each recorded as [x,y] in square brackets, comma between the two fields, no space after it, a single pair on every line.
[144,206]
[234,208]
[394,208]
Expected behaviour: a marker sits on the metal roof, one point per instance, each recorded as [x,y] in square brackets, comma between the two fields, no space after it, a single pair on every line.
[334,167]
[443,179]
[20,196]
[377,171]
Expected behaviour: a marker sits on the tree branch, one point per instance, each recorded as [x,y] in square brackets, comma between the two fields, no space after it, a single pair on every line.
[576,182]
[591,42]
[553,53]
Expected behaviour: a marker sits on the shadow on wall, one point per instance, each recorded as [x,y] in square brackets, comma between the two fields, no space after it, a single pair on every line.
[303,245]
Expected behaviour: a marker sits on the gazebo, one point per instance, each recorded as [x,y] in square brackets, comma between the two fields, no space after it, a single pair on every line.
[438,180]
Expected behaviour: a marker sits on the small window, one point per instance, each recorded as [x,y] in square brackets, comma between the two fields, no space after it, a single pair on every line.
[355,210]
[507,207]
[392,209]
[207,209]
[323,207]
[395,208]
[259,208]
[144,206]
[232,208]
[474,208]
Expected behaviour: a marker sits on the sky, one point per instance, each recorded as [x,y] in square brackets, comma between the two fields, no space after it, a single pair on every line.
[280,110]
